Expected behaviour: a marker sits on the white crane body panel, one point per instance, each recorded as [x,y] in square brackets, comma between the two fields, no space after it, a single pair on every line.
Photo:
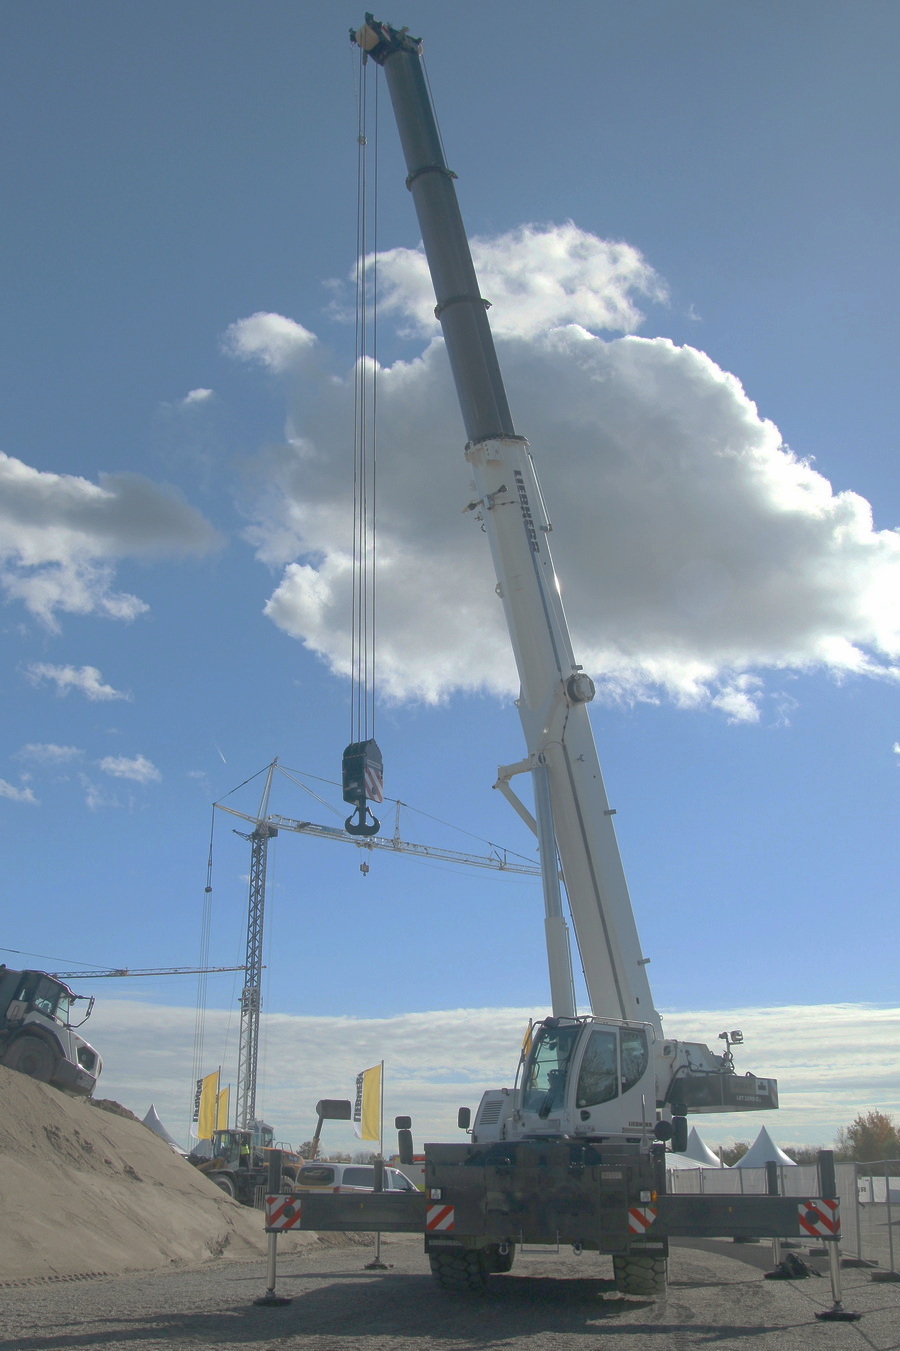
[553,712]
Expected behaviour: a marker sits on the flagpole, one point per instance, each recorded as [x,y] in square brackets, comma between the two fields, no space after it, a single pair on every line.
[377,1264]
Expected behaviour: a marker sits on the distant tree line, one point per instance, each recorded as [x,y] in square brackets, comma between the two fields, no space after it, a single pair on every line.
[870,1137]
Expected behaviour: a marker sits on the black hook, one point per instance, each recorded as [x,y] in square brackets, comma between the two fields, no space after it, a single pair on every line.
[358,826]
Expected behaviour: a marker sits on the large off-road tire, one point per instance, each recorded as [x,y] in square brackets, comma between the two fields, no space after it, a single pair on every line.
[640,1274]
[465,1269]
[31,1056]
[223,1182]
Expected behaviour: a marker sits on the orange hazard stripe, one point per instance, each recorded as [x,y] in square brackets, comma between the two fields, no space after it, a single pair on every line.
[439,1217]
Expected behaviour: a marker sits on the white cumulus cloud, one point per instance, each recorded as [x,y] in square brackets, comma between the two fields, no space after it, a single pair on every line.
[138,768]
[839,1060]
[696,551]
[270,339]
[14,794]
[47,753]
[61,536]
[536,278]
[87,680]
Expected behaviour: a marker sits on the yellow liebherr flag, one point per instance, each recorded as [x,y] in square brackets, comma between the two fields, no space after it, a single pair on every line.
[209,1094]
[367,1110]
[222,1108]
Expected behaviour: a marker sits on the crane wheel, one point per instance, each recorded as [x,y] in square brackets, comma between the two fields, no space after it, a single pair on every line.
[465,1269]
[640,1274]
[31,1056]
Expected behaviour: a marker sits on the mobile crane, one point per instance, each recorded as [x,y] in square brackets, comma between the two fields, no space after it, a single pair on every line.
[574,1152]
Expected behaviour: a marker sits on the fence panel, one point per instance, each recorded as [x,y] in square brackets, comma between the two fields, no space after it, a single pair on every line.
[877,1197]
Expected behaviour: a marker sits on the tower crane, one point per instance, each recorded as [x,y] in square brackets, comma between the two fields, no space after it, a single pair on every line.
[266,827]
[498,861]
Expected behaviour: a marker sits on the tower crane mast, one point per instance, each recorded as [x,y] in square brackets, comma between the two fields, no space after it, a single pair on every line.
[251,995]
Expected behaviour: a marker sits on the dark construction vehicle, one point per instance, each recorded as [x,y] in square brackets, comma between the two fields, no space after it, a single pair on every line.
[37,1034]
[575,1152]
[240,1161]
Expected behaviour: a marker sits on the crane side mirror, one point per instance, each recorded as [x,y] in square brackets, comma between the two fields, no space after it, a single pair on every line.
[403,1123]
[679,1134]
[464,1118]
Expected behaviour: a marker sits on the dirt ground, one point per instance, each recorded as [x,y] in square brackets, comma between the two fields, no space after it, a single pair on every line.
[86,1192]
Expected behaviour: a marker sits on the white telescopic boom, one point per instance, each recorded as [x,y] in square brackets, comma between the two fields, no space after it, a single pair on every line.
[554,688]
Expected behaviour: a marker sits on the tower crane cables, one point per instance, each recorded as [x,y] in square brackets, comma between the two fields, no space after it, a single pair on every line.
[365,409]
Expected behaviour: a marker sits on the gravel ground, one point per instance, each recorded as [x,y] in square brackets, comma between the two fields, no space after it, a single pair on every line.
[717,1296]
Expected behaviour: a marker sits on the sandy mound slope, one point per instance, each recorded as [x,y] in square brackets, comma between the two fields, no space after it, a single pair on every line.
[86,1191]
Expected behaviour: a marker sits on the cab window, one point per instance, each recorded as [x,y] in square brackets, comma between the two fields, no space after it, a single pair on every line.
[43,993]
[545,1084]
[598,1080]
[635,1056]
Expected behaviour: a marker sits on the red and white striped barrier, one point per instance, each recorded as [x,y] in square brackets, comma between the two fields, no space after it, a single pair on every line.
[640,1218]
[282,1212]
[820,1218]
[439,1219]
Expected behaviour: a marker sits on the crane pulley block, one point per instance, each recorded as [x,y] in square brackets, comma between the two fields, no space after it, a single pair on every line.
[363,782]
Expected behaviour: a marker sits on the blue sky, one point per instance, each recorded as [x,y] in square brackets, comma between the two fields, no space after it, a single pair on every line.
[686,219]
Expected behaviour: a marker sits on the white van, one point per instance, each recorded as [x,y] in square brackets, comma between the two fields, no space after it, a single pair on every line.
[348,1177]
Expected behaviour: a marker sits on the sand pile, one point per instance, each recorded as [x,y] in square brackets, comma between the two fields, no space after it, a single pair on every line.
[84,1191]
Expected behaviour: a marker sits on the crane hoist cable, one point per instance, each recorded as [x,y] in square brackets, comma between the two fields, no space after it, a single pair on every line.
[362,768]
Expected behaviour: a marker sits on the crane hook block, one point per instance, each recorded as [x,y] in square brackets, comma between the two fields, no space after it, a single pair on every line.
[363,781]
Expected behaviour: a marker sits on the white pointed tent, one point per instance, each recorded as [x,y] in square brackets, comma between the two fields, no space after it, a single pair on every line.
[763,1150]
[152,1120]
[699,1151]
[680,1161]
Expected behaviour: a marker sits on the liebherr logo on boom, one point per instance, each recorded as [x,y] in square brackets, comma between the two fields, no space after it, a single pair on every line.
[530,528]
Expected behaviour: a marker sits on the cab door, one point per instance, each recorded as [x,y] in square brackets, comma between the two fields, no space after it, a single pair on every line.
[614,1089]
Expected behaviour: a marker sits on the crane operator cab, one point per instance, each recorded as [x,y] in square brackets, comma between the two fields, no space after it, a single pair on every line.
[581,1077]
[596,1078]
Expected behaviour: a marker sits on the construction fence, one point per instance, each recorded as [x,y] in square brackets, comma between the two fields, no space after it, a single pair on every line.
[869,1194]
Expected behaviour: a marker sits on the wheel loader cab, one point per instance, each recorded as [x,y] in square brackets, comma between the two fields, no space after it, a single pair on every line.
[587,1077]
[232,1147]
